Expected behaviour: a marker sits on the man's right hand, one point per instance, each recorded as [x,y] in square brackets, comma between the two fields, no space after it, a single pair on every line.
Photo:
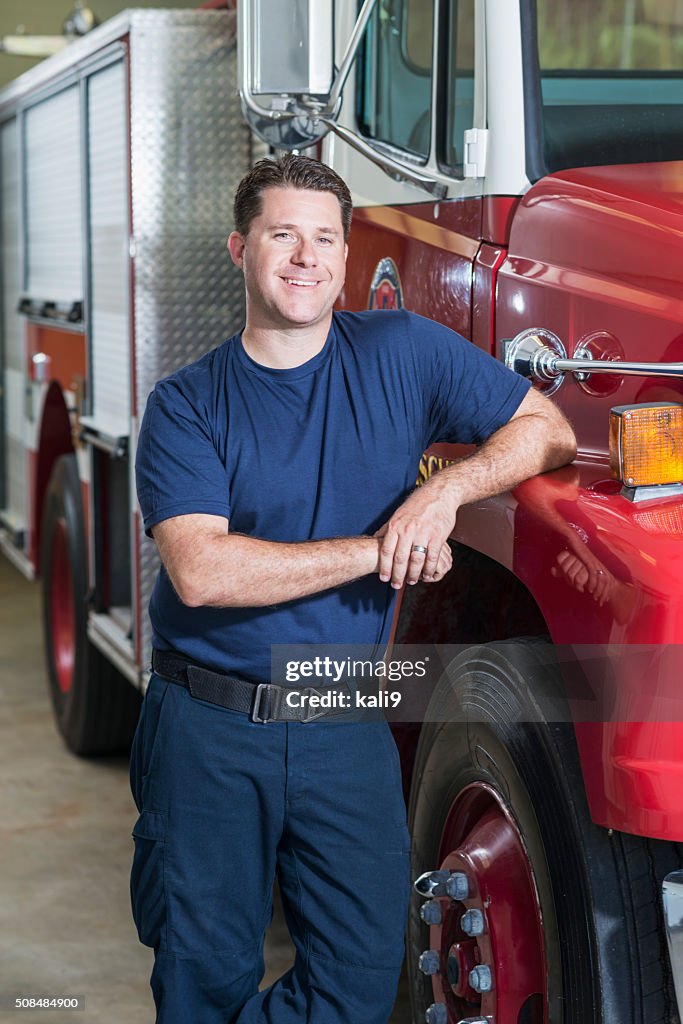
[413,575]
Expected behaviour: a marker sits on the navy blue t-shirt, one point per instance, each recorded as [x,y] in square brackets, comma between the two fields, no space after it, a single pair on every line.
[326,449]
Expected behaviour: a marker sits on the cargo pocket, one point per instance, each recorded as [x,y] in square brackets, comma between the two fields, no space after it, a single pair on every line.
[147,881]
[396,787]
[146,741]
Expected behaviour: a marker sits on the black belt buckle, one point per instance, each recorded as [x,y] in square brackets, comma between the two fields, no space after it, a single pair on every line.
[309,714]
[261,689]
[267,702]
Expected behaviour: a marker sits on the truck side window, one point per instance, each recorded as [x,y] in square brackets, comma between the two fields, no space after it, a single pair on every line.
[611,82]
[394,98]
[458,62]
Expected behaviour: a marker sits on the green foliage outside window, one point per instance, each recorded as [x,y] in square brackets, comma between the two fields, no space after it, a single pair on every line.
[624,35]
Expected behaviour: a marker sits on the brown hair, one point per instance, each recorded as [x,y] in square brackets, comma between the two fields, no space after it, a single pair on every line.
[291,171]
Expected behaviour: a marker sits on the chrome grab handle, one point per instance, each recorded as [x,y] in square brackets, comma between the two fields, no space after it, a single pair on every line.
[116,447]
[539,354]
[557,366]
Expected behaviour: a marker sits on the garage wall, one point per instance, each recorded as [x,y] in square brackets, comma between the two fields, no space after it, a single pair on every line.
[46,17]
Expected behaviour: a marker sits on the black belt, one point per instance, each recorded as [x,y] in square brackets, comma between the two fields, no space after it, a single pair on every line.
[263,702]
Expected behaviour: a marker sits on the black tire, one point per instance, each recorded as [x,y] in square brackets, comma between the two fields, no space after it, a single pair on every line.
[599,892]
[95,707]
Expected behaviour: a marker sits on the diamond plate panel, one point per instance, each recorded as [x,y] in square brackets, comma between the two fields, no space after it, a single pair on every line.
[189,148]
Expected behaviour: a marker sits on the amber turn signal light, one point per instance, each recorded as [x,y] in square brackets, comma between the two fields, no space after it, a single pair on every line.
[646,444]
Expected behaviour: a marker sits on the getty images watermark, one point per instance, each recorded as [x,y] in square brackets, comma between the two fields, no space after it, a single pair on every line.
[525,680]
[349,682]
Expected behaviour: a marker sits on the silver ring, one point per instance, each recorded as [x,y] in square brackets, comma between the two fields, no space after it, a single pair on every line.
[421,548]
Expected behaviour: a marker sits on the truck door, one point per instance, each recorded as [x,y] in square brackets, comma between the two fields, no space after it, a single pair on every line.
[417,90]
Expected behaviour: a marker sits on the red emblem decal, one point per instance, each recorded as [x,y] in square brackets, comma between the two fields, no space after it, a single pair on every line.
[385,290]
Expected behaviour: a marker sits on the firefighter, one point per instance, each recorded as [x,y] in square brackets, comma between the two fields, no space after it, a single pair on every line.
[276,476]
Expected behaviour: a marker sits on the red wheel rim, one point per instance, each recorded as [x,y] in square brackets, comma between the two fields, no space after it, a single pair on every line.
[481,839]
[62,619]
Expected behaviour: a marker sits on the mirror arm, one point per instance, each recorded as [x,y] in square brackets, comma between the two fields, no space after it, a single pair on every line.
[350,55]
[395,170]
[250,103]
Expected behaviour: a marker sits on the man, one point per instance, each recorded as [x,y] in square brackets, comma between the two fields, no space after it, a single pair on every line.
[277,477]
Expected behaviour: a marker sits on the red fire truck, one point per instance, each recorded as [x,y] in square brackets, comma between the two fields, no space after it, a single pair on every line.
[515,176]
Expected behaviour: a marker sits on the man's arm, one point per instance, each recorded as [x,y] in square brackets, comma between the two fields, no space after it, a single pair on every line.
[209,566]
[537,438]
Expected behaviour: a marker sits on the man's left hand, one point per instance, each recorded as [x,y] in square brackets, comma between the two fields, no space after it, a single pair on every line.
[416,533]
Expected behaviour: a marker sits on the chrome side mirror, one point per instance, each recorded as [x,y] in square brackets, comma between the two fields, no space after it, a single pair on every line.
[286,59]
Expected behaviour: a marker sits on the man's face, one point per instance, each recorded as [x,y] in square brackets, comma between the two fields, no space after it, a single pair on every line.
[293,258]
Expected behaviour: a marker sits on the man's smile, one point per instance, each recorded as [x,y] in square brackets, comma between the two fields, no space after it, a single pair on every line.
[300,283]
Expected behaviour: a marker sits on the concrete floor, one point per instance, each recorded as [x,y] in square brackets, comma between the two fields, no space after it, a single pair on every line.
[66,849]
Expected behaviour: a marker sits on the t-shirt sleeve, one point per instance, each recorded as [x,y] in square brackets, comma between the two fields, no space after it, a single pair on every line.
[177,467]
[469,394]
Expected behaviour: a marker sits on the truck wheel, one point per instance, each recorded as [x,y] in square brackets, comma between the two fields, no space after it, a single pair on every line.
[95,707]
[566,917]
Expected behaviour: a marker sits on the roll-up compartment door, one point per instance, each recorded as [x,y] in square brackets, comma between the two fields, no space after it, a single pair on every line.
[13,455]
[54,216]
[108,231]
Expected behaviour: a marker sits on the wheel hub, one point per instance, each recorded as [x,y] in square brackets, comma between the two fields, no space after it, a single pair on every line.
[490,945]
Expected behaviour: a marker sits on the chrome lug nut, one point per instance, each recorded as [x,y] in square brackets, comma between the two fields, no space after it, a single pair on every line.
[458,886]
[431,913]
[432,883]
[436,1014]
[429,961]
[472,922]
[481,979]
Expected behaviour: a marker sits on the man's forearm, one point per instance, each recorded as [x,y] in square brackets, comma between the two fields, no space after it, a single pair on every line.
[530,443]
[232,570]
[511,455]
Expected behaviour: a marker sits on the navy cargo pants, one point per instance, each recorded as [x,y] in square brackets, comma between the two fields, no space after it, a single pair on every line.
[226,804]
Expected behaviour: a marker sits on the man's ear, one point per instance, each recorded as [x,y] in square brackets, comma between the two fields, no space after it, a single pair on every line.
[236,245]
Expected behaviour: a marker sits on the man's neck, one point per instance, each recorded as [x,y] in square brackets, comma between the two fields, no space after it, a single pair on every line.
[283,349]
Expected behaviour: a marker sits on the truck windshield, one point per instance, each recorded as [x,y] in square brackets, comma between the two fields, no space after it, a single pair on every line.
[604,82]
